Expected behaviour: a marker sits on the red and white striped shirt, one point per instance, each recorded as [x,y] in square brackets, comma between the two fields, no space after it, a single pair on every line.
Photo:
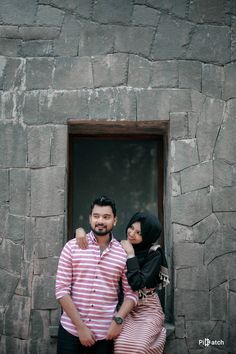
[91,279]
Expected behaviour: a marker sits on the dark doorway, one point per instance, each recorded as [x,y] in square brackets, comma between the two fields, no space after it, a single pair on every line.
[124,164]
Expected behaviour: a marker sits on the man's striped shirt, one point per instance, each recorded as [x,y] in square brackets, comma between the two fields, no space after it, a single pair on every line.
[92,280]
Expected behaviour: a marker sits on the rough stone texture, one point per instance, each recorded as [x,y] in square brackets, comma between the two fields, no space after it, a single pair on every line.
[126,60]
[47,191]
[197,206]
[18,312]
[72,73]
[167,46]
[110,70]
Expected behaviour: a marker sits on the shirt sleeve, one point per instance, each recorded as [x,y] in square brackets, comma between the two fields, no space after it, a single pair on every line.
[64,273]
[128,292]
[147,275]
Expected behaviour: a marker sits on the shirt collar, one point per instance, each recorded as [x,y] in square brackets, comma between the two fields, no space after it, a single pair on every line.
[94,240]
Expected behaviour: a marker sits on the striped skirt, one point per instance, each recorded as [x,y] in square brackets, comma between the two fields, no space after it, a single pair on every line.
[143,331]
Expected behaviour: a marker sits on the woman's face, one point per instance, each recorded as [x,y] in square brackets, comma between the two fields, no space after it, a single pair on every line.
[134,233]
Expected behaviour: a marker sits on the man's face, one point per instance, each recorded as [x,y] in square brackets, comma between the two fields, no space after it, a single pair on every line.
[102,220]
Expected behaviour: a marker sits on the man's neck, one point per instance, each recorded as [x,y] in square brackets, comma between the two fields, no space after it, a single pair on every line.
[103,240]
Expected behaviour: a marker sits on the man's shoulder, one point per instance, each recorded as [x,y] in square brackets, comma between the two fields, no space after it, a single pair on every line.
[118,246]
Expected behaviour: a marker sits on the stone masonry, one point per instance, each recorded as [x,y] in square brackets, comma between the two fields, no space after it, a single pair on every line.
[119,60]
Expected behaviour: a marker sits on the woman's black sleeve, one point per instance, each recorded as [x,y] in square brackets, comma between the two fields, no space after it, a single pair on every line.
[145,276]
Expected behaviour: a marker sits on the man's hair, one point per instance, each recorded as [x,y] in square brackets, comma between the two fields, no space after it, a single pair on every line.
[104,201]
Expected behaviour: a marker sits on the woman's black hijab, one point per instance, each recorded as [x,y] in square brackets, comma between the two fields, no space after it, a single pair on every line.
[150,231]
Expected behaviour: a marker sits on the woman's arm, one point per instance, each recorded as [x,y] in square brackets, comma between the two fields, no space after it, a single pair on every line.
[81,238]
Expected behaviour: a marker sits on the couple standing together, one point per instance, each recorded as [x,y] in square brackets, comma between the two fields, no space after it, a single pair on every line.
[95,269]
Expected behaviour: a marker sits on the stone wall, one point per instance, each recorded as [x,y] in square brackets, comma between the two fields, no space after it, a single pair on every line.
[130,60]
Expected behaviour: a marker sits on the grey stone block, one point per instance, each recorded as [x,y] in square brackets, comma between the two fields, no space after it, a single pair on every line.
[39,324]
[231,109]
[226,144]
[46,266]
[59,145]
[208,127]
[177,346]
[154,104]
[161,4]
[167,46]
[4,185]
[110,70]
[212,80]
[24,287]
[16,14]
[37,33]
[39,48]
[17,313]
[29,242]
[14,74]
[124,104]
[95,39]
[233,44]
[113,11]
[223,174]
[48,237]
[13,147]
[193,278]
[11,256]
[72,73]
[180,331]
[229,89]
[139,72]
[68,41]
[58,107]
[188,254]
[197,177]
[223,199]
[8,31]
[192,304]
[232,285]
[47,191]
[3,63]
[220,269]
[199,329]
[207,11]
[9,47]
[175,184]
[196,206]
[12,345]
[180,100]
[183,153]
[101,104]
[179,7]
[39,146]
[182,233]
[218,304]
[218,39]
[179,125]
[205,228]
[49,16]
[136,40]
[20,191]
[145,16]
[8,282]
[30,108]
[164,74]
[4,211]
[190,74]
[83,8]
[44,293]
[16,228]
[39,73]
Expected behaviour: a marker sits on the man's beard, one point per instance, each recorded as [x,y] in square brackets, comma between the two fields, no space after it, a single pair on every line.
[103,232]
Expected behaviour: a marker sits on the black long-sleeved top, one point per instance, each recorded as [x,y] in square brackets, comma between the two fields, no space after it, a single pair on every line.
[144,272]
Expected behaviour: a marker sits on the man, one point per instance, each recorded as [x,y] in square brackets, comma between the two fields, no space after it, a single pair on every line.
[87,287]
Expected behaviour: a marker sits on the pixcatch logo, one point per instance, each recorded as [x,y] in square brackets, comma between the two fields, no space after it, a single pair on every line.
[206,342]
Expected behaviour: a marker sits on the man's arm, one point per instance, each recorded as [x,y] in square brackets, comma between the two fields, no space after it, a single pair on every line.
[63,295]
[85,335]
[115,329]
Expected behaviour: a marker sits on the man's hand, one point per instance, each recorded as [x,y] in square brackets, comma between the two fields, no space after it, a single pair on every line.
[81,238]
[114,330]
[128,248]
[86,337]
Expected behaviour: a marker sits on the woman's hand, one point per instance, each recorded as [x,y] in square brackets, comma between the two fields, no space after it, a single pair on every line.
[81,238]
[128,248]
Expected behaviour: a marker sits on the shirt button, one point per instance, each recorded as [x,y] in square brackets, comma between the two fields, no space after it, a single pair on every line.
[92,305]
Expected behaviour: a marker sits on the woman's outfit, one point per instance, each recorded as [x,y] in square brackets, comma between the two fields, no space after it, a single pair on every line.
[143,331]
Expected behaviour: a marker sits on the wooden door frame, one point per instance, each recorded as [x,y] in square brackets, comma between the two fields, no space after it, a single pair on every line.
[119,130]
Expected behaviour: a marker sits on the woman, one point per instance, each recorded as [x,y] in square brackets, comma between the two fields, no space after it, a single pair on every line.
[143,329]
